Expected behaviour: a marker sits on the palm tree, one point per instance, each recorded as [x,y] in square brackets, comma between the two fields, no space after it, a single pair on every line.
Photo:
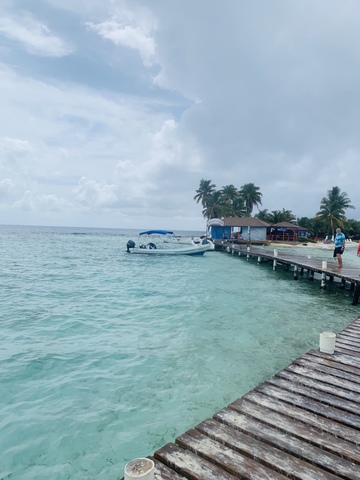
[204,192]
[229,192]
[332,208]
[251,195]
[238,207]
[277,216]
[214,207]
[229,195]
[263,215]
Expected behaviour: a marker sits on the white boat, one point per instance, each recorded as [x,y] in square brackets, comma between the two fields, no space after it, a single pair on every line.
[164,242]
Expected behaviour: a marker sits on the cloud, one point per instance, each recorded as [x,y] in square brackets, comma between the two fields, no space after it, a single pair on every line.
[131,31]
[242,94]
[96,195]
[35,36]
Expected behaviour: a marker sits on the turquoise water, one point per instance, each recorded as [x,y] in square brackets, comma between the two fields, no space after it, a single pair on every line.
[106,356]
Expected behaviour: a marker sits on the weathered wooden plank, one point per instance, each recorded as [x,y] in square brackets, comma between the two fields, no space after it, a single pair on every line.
[352,339]
[192,466]
[354,327]
[347,351]
[338,358]
[315,381]
[268,455]
[301,430]
[333,363]
[326,398]
[344,339]
[288,443]
[225,458]
[310,405]
[329,371]
[352,333]
[344,344]
[322,423]
[162,472]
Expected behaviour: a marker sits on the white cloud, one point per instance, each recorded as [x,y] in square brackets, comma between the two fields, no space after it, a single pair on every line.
[128,31]
[35,36]
[96,195]
[276,105]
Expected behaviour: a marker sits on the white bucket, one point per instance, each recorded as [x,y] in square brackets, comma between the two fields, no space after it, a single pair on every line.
[275,252]
[327,342]
[324,264]
[140,468]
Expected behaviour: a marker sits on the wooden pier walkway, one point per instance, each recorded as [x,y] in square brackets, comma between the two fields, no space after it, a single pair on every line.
[348,274]
[302,423]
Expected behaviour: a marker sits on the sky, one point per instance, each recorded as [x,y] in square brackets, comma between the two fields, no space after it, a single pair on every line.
[113,111]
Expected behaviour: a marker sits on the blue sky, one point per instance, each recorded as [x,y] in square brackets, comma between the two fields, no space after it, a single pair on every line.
[113,111]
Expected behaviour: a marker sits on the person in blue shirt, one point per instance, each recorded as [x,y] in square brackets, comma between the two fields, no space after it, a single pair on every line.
[339,246]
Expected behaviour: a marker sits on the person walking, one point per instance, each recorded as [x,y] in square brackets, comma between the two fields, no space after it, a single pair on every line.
[339,246]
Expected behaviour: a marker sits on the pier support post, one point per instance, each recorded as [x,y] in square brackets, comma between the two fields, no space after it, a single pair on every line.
[323,281]
[343,284]
[274,264]
[352,287]
[311,275]
[259,260]
[296,269]
[356,295]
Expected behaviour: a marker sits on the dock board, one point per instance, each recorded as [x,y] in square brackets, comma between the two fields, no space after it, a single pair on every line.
[302,423]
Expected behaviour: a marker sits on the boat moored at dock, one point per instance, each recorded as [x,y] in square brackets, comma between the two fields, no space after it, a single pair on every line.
[164,242]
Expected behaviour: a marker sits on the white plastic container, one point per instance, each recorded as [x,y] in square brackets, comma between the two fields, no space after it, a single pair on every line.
[327,342]
[140,468]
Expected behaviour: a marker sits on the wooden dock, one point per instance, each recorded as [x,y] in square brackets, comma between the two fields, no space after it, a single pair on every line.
[348,275]
[302,423]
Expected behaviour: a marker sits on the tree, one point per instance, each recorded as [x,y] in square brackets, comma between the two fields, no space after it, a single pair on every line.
[263,215]
[352,229]
[204,192]
[232,202]
[277,216]
[229,193]
[251,195]
[214,207]
[316,226]
[238,208]
[332,209]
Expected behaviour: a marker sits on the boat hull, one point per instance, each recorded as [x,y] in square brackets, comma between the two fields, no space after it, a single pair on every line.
[193,250]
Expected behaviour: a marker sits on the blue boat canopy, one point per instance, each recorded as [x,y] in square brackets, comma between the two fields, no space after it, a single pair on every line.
[159,232]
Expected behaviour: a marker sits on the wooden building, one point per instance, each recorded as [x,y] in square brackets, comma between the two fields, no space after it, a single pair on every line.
[245,229]
[286,232]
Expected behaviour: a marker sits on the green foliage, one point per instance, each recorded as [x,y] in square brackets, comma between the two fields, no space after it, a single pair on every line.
[231,202]
[332,209]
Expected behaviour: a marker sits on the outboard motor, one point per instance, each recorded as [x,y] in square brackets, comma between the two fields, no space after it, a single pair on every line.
[130,244]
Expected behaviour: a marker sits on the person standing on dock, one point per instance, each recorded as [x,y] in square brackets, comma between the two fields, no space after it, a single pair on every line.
[339,246]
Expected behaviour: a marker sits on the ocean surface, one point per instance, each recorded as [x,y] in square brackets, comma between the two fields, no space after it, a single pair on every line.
[106,356]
